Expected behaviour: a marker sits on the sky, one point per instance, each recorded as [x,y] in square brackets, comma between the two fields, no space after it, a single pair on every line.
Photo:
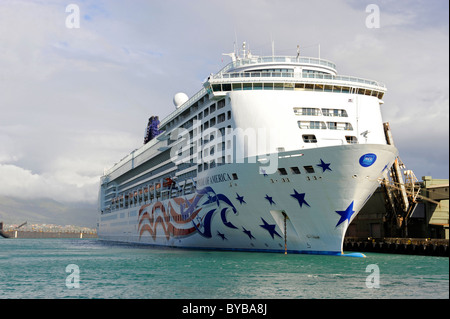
[73,101]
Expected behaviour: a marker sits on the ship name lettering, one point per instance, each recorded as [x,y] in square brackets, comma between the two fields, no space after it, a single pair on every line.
[218,178]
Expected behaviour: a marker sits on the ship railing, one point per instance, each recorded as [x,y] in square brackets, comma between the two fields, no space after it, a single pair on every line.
[223,74]
[277,59]
[183,107]
[293,75]
[148,193]
[148,149]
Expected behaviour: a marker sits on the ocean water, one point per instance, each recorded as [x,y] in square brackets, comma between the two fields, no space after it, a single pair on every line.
[90,268]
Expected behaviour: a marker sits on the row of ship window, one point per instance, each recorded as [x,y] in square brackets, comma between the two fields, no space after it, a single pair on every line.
[295,170]
[311,138]
[221,87]
[319,125]
[146,193]
[143,196]
[203,114]
[320,112]
[207,165]
[309,169]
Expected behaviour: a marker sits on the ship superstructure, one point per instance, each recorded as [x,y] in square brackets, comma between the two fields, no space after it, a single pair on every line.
[274,153]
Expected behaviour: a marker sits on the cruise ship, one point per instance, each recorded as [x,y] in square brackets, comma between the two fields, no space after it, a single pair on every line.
[272,154]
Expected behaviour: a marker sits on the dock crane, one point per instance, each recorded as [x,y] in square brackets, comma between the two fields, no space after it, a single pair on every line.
[5,235]
[400,194]
[2,234]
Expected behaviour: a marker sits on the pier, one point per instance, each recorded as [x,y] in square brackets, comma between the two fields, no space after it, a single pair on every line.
[47,234]
[408,246]
[383,228]
[2,233]
[411,219]
[46,231]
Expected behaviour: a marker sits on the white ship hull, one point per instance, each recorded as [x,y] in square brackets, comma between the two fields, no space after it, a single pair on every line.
[247,213]
[272,154]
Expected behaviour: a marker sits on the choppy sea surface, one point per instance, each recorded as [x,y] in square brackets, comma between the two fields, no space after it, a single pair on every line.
[90,268]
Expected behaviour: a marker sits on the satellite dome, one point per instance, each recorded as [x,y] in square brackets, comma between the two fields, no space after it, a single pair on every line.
[179,99]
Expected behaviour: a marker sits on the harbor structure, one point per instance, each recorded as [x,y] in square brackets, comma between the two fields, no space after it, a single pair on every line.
[380,227]
[429,219]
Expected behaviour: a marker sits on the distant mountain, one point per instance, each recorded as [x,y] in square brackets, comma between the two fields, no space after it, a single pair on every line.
[47,211]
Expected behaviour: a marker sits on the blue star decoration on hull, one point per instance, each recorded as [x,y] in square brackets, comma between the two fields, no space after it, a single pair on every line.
[324,166]
[300,198]
[345,214]
[270,228]
[240,199]
[221,235]
[248,233]
[269,199]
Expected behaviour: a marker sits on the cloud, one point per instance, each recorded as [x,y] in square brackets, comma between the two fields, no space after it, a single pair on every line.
[74,101]
[20,182]
[70,174]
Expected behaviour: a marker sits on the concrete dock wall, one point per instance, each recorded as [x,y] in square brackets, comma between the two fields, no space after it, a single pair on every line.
[408,246]
[40,234]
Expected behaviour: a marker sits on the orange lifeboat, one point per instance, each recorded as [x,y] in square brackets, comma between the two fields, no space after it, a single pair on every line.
[168,182]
